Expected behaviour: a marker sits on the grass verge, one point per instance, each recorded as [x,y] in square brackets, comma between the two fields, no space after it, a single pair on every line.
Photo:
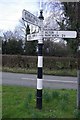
[0,101]
[62,72]
[20,102]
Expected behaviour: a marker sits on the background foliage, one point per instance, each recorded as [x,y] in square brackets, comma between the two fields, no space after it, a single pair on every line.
[30,62]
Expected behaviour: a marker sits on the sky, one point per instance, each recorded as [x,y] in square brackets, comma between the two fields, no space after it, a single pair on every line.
[11,12]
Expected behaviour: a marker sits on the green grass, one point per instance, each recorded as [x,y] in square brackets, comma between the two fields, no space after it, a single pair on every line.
[60,72]
[0,101]
[20,102]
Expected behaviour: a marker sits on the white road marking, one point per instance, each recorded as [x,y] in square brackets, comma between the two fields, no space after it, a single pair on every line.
[51,80]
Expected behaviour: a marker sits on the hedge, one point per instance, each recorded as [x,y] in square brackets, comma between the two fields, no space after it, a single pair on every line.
[30,62]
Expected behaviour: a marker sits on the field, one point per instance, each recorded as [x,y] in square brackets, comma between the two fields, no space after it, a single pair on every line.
[20,102]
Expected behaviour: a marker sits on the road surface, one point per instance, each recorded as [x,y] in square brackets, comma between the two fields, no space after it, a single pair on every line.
[55,82]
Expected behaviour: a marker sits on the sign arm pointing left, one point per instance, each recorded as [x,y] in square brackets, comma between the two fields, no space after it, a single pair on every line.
[30,18]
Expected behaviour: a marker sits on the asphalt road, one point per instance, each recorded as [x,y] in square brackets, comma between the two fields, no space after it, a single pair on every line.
[55,82]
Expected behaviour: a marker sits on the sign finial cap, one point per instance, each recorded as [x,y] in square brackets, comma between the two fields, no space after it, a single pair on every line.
[41,15]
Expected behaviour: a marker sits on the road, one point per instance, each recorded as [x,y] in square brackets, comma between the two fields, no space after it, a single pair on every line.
[55,82]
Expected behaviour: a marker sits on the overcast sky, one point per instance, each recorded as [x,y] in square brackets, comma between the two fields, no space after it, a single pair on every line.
[11,11]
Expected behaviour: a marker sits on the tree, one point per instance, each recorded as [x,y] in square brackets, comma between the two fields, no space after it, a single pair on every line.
[71,13]
[4,47]
[8,35]
[1,45]
[29,47]
[53,13]
[62,16]
[55,49]
[12,44]
[48,48]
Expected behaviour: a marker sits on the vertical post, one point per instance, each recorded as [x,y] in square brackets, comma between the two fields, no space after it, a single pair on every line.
[78,55]
[40,65]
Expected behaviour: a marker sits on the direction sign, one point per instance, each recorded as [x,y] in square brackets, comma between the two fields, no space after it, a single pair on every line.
[30,18]
[54,34]
[32,37]
[59,34]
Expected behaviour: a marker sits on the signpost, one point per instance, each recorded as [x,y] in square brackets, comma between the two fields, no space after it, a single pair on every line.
[51,33]
[43,33]
[32,37]
[30,18]
[60,34]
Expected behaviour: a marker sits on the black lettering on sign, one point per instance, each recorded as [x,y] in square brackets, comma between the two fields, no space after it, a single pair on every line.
[63,36]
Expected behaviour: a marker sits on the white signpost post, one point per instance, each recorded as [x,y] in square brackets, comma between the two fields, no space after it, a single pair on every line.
[44,33]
